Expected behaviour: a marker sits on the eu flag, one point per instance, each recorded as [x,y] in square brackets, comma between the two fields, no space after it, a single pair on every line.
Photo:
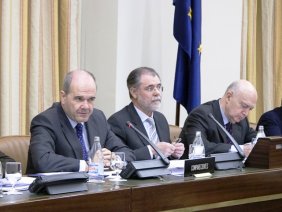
[187,31]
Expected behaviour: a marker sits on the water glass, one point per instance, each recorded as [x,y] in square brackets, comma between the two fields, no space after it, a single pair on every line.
[118,163]
[13,173]
[191,151]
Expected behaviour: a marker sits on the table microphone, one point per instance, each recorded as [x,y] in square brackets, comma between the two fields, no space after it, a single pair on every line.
[164,159]
[234,142]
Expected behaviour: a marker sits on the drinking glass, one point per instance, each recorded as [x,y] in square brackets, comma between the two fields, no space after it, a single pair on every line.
[191,151]
[1,176]
[13,173]
[118,163]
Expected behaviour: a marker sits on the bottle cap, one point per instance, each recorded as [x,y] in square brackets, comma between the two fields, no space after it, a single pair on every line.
[198,133]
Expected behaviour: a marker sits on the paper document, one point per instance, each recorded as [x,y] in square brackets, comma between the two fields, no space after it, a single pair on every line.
[176,167]
[22,184]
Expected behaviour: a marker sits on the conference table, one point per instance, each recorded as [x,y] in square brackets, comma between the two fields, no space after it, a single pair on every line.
[238,189]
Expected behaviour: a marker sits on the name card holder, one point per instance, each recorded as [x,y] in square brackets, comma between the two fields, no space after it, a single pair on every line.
[199,166]
[267,153]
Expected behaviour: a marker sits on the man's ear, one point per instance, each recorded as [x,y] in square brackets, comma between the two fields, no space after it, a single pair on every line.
[133,92]
[62,96]
[229,94]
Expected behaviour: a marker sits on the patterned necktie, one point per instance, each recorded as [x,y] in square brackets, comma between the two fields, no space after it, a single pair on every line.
[228,127]
[79,130]
[153,136]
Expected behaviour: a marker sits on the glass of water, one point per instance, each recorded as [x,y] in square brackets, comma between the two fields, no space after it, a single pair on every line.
[118,163]
[13,173]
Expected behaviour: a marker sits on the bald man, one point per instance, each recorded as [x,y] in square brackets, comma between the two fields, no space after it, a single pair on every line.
[231,110]
[55,145]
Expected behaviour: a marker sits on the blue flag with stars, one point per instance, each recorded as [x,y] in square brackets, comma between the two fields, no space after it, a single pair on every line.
[187,32]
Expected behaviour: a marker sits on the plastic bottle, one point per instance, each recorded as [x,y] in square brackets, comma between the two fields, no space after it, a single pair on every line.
[96,162]
[260,134]
[198,148]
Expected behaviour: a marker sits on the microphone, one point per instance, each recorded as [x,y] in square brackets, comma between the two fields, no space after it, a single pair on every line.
[234,142]
[164,159]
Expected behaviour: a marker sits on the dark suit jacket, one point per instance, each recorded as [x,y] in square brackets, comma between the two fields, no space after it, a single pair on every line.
[212,135]
[132,139]
[54,146]
[272,122]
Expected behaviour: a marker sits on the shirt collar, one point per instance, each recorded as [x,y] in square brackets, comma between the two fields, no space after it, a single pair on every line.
[142,115]
[74,123]
[225,119]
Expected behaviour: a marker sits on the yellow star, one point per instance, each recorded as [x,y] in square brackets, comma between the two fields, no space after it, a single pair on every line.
[190,13]
[200,49]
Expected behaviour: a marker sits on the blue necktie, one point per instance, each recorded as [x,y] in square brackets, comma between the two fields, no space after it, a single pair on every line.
[79,130]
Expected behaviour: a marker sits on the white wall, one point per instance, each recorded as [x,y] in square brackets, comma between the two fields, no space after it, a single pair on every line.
[118,36]
[98,48]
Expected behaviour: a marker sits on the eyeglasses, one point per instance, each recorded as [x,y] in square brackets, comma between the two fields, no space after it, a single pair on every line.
[152,88]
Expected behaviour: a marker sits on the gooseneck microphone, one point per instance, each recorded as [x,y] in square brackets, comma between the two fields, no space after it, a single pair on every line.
[234,142]
[164,159]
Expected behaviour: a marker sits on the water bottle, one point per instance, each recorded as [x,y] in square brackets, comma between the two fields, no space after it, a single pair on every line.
[260,134]
[198,148]
[96,162]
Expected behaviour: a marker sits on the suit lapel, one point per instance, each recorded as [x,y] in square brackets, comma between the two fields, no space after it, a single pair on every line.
[159,128]
[90,132]
[69,133]
[218,117]
[137,122]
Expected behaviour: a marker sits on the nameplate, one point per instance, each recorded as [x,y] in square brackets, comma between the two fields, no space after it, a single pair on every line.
[198,166]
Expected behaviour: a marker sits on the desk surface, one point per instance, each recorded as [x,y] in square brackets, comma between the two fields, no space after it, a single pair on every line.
[224,189]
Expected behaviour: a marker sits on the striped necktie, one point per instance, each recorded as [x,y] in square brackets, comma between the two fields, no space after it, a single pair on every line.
[153,136]
[79,130]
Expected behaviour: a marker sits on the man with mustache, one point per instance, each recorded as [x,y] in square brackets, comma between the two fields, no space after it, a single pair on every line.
[145,91]
[62,135]
[231,111]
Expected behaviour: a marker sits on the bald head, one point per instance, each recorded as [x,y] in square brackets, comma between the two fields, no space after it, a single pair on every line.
[78,95]
[79,74]
[242,86]
[239,98]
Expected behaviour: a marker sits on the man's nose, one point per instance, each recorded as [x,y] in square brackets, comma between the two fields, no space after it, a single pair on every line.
[85,104]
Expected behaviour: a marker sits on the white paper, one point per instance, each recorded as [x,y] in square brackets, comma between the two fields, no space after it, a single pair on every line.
[176,167]
[22,184]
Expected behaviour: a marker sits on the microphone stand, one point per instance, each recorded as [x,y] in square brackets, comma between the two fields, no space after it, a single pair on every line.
[234,142]
[164,159]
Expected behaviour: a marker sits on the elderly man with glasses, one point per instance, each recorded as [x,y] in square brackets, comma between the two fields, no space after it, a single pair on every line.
[145,91]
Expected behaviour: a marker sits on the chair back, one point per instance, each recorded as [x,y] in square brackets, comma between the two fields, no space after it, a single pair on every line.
[16,147]
[174,132]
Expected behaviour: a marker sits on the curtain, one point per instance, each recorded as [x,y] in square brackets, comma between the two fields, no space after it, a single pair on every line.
[39,43]
[261,52]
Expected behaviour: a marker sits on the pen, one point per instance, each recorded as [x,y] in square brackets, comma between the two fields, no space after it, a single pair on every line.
[177,140]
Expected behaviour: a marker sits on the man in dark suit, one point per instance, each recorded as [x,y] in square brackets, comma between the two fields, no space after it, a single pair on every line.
[55,146]
[272,122]
[233,108]
[145,91]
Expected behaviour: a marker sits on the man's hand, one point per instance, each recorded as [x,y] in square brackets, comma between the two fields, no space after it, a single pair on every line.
[166,148]
[247,148]
[107,157]
[179,150]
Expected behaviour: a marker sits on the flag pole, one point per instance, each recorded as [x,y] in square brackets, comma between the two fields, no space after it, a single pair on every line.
[177,114]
